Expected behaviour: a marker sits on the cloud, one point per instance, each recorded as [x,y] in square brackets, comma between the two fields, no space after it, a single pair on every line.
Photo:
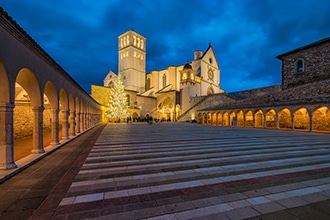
[246,35]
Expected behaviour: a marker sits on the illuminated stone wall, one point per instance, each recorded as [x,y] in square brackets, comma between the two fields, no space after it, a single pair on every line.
[101,94]
[24,119]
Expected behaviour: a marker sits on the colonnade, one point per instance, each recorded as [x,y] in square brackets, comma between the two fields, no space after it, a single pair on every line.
[315,117]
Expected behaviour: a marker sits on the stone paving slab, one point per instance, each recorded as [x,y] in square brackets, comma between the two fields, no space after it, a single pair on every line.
[192,171]
[189,171]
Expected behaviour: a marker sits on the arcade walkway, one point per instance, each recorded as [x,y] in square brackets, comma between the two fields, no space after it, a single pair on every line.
[176,171]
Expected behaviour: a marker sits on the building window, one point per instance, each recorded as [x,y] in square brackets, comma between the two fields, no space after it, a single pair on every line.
[164,81]
[300,66]
[110,84]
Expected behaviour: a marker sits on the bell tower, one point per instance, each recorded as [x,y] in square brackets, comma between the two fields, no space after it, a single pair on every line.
[132,60]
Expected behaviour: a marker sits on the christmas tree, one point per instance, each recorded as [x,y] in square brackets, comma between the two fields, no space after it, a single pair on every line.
[118,104]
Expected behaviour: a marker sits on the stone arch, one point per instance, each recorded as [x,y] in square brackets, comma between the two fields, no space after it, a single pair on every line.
[135,116]
[232,119]
[321,119]
[248,119]
[28,81]
[28,134]
[284,119]
[219,119]
[259,119]
[214,118]
[166,109]
[271,118]
[301,119]
[50,114]
[225,119]
[240,118]
[209,118]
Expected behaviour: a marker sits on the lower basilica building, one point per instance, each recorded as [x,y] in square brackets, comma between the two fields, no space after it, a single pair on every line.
[42,107]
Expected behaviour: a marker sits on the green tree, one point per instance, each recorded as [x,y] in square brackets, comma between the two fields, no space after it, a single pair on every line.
[118,104]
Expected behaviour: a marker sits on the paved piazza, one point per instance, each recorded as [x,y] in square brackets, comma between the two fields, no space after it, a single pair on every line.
[191,171]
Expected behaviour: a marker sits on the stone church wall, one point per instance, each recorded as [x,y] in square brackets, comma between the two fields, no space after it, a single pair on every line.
[147,105]
[316,66]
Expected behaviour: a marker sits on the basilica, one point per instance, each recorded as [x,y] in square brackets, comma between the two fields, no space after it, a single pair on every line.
[163,94]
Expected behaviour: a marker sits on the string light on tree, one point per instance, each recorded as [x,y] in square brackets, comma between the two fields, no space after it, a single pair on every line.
[118,104]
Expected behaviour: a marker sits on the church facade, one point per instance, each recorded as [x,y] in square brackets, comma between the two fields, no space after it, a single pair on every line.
[163,94]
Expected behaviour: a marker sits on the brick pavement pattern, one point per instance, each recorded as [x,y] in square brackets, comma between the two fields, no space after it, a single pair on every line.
[190,171]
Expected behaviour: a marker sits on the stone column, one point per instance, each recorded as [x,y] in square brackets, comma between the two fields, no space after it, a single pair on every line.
[7,136]
[38,145]
[65,116]
[78,122]
[311,122]
[244,121]
[55,128]
[86,121]
[265,120]
[82,122]
[292,121]
[277,121]
[72,124]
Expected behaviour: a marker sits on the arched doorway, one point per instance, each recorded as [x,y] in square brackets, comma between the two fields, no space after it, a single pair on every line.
[214,118]
[166,110]
[249,119]
[219,119]
[259,119]
[301,119]
[321,119]
[271,118]
[225,119]
[240,118]
[209,118]
[28,134]
[50,130]
[232,119]
[284,119]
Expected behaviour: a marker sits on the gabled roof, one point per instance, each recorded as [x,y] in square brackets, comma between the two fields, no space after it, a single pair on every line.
[325,40]
[210,49]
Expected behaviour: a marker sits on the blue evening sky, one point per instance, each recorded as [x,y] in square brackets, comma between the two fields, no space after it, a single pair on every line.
[246,35]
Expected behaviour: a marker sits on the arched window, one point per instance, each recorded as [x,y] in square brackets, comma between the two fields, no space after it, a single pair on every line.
[300,66]
[110,84]
[164,81]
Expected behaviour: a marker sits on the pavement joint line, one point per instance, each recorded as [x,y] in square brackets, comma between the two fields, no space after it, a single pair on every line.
[191,184]
[167,174]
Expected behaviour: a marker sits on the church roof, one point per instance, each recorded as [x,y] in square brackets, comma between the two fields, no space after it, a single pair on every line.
[325,40]
[187,66]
